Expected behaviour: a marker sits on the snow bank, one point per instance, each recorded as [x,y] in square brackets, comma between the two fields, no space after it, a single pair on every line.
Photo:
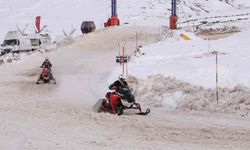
[169,93]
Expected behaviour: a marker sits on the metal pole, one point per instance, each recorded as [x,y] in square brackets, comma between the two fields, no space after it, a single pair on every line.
[217,85]
[127,69]
[113,6]
[120,58]
[174,7]
[173,12]
[125,55]
[123,60]
[136,43]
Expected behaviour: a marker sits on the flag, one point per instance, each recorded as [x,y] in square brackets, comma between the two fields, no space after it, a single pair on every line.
[38,19]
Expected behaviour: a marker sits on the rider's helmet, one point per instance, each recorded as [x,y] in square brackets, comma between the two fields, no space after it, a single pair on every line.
[47,58]
[121,77]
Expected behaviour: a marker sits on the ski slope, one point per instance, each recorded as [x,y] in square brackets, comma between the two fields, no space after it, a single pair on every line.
[60,117]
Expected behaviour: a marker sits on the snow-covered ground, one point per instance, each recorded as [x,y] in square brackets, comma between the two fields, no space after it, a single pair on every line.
[173,76]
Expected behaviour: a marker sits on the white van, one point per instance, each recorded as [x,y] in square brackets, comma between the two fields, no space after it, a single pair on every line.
[14,41]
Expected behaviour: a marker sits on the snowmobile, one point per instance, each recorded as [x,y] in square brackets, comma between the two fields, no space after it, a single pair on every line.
[127,102]
[46,76]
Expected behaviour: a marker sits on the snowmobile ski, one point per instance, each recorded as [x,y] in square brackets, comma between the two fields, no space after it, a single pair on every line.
[144,113]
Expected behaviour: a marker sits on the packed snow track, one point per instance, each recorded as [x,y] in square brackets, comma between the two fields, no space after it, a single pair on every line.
[59,117]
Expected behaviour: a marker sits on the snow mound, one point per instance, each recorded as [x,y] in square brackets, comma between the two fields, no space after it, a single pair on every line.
[17,57]
[169,93]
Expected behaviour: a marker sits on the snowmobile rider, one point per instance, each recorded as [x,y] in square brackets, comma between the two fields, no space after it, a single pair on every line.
[46,63]
[122,89]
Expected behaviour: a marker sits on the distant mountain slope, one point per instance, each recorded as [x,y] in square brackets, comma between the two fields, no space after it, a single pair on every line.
[63,14]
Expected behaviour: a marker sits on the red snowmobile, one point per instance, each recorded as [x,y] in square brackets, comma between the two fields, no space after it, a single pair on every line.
[125,101]
[46,76]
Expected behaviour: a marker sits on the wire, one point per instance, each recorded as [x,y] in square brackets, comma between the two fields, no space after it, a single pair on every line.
[184,13]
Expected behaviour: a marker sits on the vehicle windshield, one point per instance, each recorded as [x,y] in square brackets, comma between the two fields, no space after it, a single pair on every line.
[10,42]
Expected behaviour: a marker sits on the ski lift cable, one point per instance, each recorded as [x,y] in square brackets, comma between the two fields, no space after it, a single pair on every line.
[184,12]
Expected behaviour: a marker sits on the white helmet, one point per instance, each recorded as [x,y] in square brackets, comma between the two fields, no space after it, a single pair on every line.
[47,58]
[121,76]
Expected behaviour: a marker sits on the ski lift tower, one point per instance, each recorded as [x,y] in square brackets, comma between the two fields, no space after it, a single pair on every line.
[173,17]
[114,20]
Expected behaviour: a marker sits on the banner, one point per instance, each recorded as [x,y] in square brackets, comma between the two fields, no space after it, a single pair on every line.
[38,19]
